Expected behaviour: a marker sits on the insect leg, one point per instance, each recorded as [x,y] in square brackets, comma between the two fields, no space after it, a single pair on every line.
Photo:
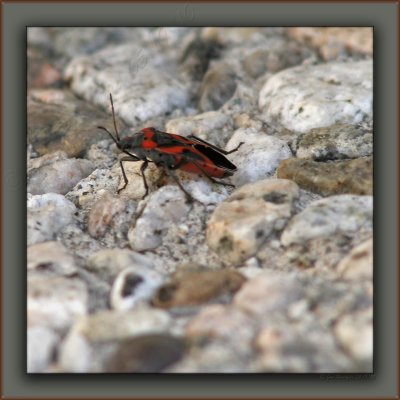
[171,173]
[130,158]
[215,147]
[143,168]
[210,177]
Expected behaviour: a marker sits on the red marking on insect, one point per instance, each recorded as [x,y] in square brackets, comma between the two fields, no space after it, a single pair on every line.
[170,151]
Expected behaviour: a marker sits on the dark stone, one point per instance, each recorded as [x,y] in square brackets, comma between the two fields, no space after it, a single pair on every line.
[147,353]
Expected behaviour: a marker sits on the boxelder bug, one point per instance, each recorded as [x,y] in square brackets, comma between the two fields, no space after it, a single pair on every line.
[170,151]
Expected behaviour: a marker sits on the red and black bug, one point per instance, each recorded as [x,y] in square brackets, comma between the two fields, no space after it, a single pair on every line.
[170,152]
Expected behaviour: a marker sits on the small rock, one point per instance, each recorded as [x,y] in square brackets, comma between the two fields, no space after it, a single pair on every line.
[51,257]
[58,177]
[217,87]
[304,97]
[166,206]
[219,320]
[258,157]
[147,353]
[358,264]
[75,354]
[155,88]
[41,346]
[229,36]
[194,288]
[93,188]
[55,301]
[102,213]
[108,263]
[197,55]
[117,325]
[242,223]
[268,292]
[342,214]
[47,215]
[333,42]
[59,121]
[47,159]
[278,54]
[134,285]
[335,142]
[41,73]
[355,333]
[212,126]
[330,178]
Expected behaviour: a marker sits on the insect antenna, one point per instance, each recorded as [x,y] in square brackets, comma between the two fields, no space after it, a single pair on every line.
[116,140]
[115,125]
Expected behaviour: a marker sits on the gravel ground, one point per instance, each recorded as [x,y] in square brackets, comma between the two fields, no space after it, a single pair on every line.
[273,275]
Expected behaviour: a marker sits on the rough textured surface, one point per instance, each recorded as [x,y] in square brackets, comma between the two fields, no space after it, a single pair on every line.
[337,214]
[249,217]
[197,287]
[335,142]
[271,276]
[329,178]
[302,98]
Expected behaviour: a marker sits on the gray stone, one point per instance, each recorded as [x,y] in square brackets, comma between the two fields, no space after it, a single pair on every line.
[344,214]
[166,206]
[306,97]
[58,177]
[258,157]
[335,142]
[47,215]
[52,257]
[55,301]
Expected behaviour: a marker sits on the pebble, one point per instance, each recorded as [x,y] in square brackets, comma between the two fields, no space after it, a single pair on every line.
[102,213]
[41,73]
[93,188]
[155,86]
[58,177]
[307,97]
[234,36]
[267,293]
[218,86]
[134,285]
[197,287]
[51,257]
[93,338]
[197,55]
[49,158]
[330,178]
[342,214]
[55,301]
[166,206]
[358,264]
[258,157]
[57,120]
[335,42]
[147,353]
[335,142]
[219,320]
[108,263]
[249,217]
[41,344]
[212,126]
[355,333]
[47,215]
[117,325]
[276,54]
